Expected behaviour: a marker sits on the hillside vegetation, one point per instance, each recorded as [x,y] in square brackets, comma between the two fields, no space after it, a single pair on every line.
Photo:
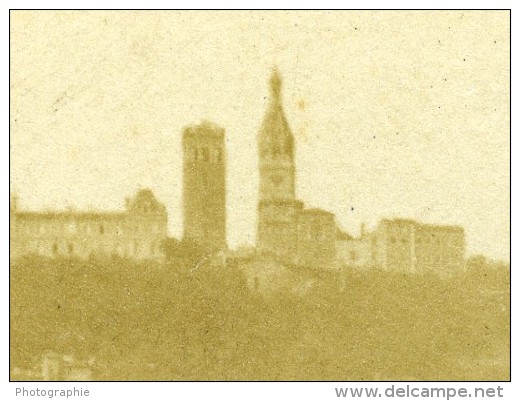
[147,321]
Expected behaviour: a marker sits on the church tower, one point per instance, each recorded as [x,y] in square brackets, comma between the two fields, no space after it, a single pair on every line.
[276,148]
[204,186]
[277,205]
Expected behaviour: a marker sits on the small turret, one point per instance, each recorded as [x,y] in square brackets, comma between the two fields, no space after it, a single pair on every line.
[144,202]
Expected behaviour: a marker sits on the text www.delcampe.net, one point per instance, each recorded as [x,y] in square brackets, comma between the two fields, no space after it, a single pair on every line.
[419,392]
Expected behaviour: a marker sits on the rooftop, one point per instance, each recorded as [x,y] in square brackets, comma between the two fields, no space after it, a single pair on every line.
[205,127]
[143,201]
[317,211]
[419,225]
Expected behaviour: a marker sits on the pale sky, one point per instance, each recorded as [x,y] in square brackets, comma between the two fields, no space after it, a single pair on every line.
[395,114]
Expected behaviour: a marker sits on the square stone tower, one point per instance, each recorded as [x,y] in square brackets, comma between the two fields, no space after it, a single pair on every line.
[204,186]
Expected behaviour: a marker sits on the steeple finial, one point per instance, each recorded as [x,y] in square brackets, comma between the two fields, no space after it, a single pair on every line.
[275,83]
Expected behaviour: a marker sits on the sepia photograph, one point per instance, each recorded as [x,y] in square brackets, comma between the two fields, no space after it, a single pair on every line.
[259,195]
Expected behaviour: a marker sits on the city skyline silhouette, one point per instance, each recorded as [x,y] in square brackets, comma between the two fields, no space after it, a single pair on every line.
[360,159]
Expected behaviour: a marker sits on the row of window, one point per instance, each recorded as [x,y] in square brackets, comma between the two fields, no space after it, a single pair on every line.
[204,154]
[433,257]
[87,228]
[131,249]
[275,152]
[282,231]
[309,235]
[312,235]
[419,240]
[439,241]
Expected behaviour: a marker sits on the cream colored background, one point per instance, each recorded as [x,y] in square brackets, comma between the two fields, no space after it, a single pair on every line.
[99,99]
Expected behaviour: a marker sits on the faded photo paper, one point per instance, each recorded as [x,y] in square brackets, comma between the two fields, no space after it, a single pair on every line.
[259,195]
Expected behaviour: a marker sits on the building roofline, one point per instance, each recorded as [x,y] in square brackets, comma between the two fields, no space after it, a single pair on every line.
[420,225]
[71,213]
[317,211]
[204,128]
[280,202]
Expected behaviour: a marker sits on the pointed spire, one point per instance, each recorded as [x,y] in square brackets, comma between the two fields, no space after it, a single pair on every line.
[275,132]
[275,83]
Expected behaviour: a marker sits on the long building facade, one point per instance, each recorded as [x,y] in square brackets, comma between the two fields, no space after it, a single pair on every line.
[405,245]
[137,233]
